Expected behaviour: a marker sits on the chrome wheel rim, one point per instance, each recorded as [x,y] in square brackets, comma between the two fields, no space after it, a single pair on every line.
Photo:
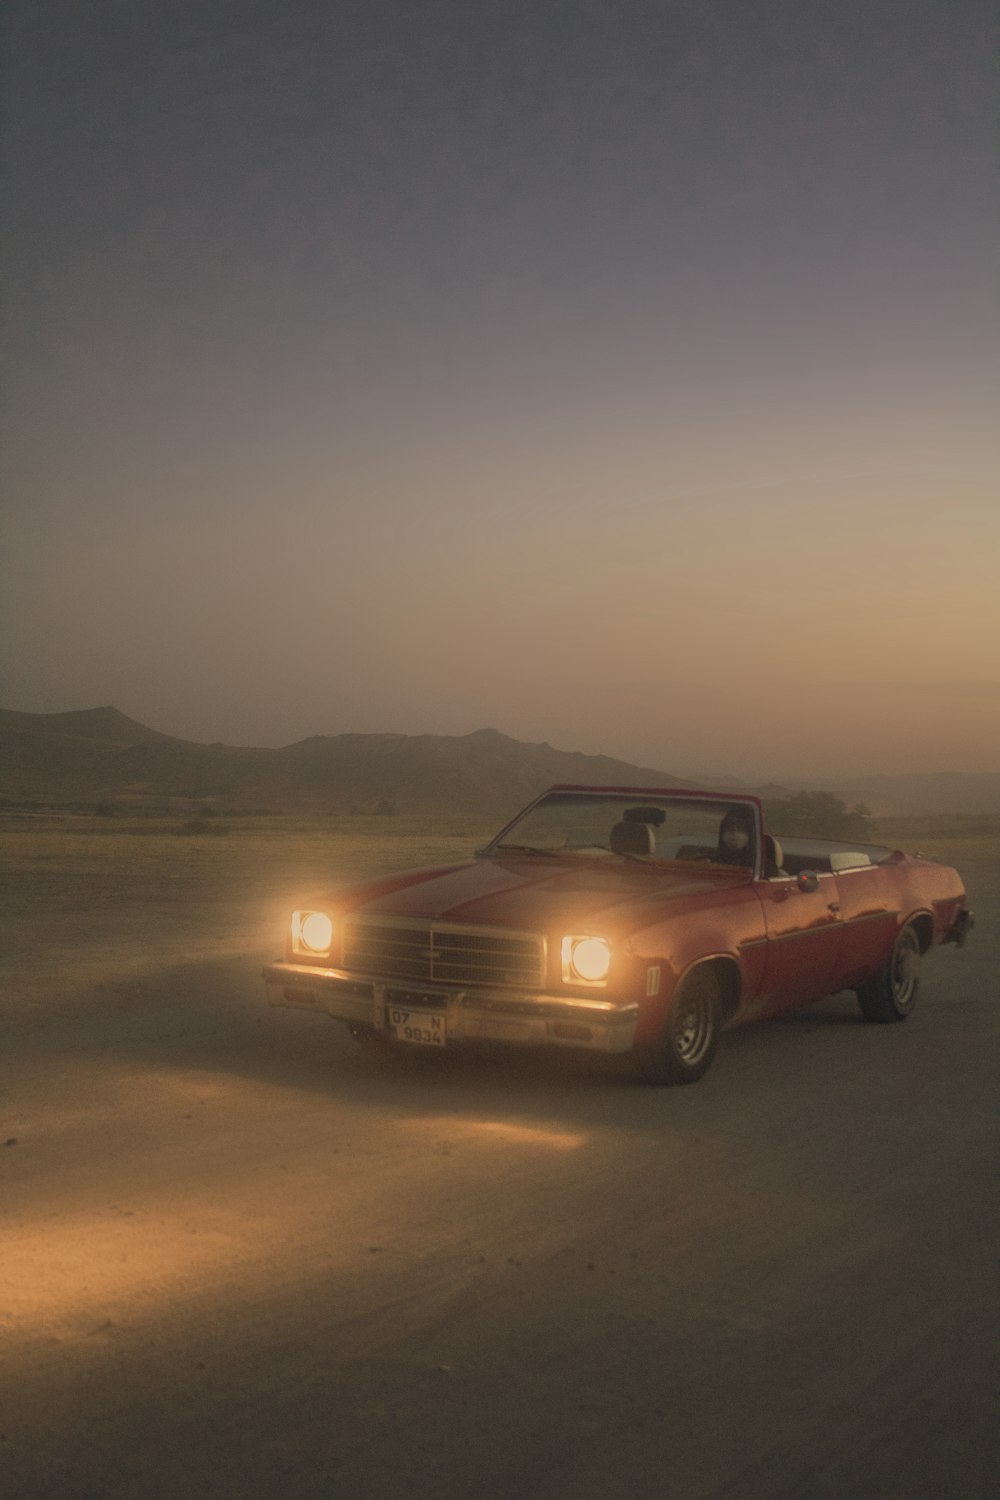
[905,970]
[691,1031]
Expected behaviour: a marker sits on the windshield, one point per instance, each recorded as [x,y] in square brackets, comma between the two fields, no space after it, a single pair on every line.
[636,826]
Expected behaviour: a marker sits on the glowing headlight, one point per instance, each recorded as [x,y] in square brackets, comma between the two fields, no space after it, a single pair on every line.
[585,960]
[312,932]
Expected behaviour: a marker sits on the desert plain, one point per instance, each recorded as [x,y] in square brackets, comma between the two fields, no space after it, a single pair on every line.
[242,1259]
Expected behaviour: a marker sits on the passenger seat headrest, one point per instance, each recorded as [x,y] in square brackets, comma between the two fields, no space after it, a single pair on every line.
[632,838]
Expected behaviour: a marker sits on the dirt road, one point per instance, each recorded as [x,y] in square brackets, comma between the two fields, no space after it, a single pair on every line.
[241,1258]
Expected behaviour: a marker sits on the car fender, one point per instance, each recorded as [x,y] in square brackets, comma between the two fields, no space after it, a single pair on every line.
[654,1009]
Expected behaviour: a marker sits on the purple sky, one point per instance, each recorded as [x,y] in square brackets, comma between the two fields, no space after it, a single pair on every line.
[617,374]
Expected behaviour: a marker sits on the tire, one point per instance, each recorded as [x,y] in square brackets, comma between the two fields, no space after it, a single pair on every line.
[686,1045]
[891,994]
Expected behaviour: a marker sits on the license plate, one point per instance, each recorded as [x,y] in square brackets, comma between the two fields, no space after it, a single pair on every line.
[425,1028]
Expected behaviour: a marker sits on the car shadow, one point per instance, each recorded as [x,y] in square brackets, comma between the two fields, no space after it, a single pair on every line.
[186,1018]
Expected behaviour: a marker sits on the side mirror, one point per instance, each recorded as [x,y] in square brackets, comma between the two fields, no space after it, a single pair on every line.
[808,881]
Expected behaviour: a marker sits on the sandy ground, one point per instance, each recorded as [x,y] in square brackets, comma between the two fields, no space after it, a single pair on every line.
[242,1258]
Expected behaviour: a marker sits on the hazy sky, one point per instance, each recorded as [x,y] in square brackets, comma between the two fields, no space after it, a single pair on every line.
[617,373]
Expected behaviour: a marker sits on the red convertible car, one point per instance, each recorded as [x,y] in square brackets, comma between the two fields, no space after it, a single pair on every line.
[622,920]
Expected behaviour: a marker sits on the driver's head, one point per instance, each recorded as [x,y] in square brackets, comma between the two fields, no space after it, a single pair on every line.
[736,835]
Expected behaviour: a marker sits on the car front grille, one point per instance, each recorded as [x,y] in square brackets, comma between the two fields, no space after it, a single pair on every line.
[443,952]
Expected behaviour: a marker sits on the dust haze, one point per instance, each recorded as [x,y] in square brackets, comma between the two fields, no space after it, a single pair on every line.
[408,406]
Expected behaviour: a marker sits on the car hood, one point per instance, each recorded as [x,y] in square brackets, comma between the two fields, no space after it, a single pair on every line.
[536,892]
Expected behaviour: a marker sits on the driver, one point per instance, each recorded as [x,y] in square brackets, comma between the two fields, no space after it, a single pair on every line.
[736,838]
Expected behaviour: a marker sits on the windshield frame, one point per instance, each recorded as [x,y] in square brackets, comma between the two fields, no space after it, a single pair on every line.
[724,800]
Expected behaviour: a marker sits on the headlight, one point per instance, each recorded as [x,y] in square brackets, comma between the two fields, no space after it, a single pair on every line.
[585,960]
[312,932]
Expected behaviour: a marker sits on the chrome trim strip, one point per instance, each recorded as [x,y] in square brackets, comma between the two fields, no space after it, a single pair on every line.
[389,919]
[787,937]
[782,937]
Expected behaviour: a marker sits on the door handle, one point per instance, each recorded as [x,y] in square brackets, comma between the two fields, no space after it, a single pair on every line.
[833,906]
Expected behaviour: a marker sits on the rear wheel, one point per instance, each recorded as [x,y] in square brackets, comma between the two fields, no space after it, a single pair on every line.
[686,1045]
[891,994]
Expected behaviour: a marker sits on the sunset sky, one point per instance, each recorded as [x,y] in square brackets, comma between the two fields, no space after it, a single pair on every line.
[616,373]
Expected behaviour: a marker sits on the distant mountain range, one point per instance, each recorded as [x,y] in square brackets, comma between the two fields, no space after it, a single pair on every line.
[100,755]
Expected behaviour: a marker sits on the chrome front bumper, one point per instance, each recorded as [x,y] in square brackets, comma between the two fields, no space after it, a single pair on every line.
[470,1015]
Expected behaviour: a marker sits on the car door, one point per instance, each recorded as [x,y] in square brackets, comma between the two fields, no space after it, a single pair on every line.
[868,908]
[804,934]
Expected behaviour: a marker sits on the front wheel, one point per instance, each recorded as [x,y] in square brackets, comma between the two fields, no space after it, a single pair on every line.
[891,994]
[686,1045]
